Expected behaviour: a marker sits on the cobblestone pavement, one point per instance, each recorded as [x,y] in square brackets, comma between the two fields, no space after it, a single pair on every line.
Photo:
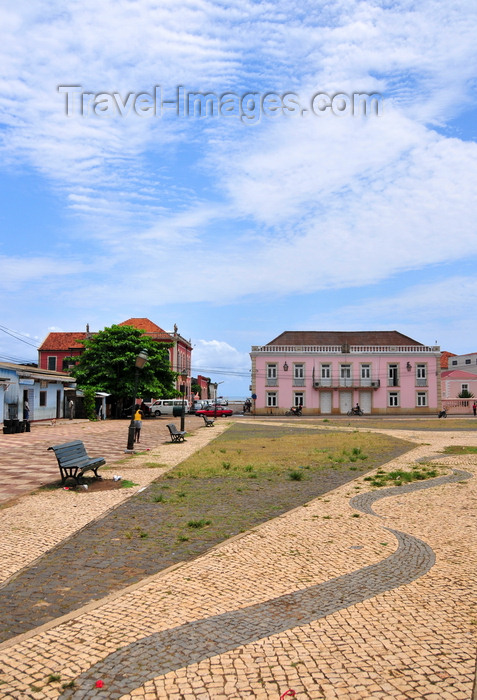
[26,464]
[327,600]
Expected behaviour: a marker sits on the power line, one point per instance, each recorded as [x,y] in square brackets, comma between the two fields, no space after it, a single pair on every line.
[15,334]
[222,371]
[15,360]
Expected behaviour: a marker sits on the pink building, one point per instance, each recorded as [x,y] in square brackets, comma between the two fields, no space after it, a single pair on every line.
[329,372]
[453,383]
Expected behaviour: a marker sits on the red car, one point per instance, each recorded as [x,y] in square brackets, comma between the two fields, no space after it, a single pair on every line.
[212,411]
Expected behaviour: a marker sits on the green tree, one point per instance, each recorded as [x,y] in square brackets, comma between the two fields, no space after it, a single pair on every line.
[465,394]
[89,402]
[108,364]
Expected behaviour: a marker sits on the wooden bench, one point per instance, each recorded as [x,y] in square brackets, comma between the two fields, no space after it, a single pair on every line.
[74,461]
[176,435]
[209,422]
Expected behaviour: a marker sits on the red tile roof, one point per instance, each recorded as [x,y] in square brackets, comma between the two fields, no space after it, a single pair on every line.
[63,341]
[144,324]
[343,337]
[149,328]
[445,358]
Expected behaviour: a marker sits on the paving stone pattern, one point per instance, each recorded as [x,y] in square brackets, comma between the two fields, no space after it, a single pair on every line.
[175,648]
[327,599]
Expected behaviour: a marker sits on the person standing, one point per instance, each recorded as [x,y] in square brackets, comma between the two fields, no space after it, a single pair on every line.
[71,407]
[26,410]
[474,408]
[138,416]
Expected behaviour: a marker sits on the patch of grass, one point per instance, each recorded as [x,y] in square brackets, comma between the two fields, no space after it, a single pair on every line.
[401,476]
[296,475]
[460,450]
[256,488]
[127,484]
[197,524]
[226,465]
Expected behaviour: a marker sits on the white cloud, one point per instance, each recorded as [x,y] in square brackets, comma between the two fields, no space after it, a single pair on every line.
[216,355]
[444,308]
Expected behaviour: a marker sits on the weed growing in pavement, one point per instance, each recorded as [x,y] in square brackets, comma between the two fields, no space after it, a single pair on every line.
[70,684]
[53,678]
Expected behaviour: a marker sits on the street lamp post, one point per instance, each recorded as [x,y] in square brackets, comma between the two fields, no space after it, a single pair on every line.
[183,391]
[141,360]
[215,404]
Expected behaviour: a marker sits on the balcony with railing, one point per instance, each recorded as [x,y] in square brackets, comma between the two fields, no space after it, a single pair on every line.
[346,383]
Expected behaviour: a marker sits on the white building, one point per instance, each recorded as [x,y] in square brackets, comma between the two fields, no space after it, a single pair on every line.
[42,389]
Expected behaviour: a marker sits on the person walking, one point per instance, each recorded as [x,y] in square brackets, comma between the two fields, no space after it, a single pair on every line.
[138,416]
[474,408]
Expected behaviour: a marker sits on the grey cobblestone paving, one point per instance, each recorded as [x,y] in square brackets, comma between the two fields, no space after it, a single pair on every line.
[160,653]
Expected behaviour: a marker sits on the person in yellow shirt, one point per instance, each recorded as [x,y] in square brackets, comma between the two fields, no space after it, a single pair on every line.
[138,416]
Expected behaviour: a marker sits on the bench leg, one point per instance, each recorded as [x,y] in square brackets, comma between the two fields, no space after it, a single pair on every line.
[69,474]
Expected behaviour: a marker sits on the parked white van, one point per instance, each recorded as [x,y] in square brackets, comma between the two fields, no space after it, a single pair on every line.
[164,407]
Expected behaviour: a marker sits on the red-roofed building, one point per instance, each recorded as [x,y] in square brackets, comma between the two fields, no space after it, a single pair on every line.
[445,358]
[57,346]
[180,353]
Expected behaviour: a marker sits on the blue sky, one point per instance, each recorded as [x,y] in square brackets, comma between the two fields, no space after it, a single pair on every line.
[238,229]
